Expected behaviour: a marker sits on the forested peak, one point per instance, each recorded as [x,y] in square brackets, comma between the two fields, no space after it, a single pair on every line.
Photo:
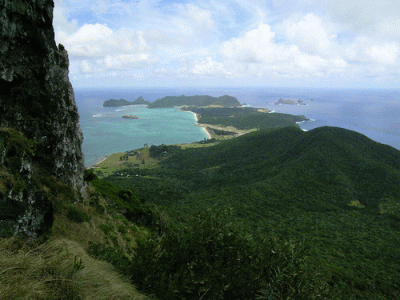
[197,100]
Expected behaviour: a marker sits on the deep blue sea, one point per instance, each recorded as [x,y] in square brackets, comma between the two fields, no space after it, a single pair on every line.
[374,113]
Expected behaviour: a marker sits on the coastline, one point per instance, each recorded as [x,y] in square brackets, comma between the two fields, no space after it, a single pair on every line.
[196,117]
[96,162]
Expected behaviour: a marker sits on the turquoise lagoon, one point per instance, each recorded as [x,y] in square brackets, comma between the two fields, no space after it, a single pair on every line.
[106,132]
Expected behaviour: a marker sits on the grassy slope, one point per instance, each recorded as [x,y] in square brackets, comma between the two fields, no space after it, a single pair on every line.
[64,266]
[113,162]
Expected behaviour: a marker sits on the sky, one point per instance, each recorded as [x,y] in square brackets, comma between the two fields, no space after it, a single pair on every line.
[235,43]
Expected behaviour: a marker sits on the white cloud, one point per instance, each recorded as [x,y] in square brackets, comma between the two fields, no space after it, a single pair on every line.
[200,16]
[110,63]
[386,54]
[309,34]
[258,47]
[231,39]
[60,21]
[89,40]
[195,23]
[95,48]
[209,67]
[379,19]
[97,40]
[161,37]
[366,15]
[364,49]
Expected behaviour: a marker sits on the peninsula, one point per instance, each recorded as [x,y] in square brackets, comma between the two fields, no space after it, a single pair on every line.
[196,101]
[123,102]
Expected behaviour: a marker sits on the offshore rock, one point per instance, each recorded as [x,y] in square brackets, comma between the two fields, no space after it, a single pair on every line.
[37,100]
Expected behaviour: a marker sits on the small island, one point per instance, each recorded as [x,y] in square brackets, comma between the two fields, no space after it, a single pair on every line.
[290,102]
[130,117]
[123,102]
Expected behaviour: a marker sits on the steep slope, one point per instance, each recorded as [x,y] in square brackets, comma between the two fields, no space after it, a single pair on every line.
[36,97]
[40,136]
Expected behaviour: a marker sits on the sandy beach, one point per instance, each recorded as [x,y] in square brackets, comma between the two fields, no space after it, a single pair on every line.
[94,165]
[200,125]
[206,131]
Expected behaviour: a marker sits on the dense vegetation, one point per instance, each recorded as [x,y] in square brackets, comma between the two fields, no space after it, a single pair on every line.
[123,102]
[245,118]
[333,188]
[171,101]
[274,214]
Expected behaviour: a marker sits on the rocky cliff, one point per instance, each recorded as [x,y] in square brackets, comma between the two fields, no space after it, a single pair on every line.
[36,100]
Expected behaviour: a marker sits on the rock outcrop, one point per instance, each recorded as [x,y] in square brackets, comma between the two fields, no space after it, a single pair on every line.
[130,117]
[36,100]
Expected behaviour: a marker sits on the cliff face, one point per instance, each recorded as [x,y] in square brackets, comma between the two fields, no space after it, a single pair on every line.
[36,97]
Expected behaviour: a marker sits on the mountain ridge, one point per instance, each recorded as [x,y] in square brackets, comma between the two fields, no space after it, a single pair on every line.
[198,100]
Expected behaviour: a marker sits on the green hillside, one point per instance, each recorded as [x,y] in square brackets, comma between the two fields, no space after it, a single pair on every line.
[273,214]
[335,188]
[202,100]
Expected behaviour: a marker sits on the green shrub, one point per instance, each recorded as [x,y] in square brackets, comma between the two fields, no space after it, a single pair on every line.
[128,204]
[62,194]
[211,258]
[89,175]
[163,150]
[122,229]
[112,255]
[107,228]
[76,215]
[94,202]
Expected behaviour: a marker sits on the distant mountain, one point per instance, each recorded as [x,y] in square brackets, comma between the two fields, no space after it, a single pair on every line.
[140,101]
[123,102]
[199,101]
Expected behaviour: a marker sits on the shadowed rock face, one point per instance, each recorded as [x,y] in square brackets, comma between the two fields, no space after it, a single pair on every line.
[36,97]
[36,101]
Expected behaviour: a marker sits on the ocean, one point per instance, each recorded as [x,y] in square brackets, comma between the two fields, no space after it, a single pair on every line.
[374,113]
